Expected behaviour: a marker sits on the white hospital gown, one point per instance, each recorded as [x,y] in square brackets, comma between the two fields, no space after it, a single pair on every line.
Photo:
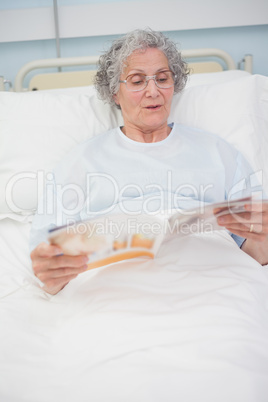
[111,173]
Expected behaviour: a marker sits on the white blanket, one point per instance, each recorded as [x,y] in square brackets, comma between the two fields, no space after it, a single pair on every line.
[190,325]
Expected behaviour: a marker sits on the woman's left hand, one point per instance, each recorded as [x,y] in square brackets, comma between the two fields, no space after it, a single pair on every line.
[252,224]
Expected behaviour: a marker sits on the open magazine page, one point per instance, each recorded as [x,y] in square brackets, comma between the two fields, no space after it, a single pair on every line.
[113,238]
[110,239]
[204,218]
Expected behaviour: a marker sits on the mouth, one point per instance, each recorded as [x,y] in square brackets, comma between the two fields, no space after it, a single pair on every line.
[153,107]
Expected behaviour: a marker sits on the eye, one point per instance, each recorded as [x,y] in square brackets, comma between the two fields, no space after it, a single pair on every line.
[136,79]
[162,77]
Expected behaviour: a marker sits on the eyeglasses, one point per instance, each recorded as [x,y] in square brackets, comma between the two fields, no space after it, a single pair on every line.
[138,82]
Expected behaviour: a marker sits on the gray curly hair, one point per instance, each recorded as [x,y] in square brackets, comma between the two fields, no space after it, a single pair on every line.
[112,62]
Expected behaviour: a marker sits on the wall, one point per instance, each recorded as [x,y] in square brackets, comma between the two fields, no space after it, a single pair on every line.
[237,26]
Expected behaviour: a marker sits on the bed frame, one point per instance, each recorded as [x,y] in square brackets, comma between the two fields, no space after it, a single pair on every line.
[82,78]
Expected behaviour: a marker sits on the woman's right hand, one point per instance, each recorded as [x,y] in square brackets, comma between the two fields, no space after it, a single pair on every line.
[55,269]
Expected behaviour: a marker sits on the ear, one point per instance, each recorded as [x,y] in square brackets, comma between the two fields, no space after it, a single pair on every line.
[116,99]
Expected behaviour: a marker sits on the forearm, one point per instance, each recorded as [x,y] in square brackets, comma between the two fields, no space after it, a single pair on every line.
[257,250]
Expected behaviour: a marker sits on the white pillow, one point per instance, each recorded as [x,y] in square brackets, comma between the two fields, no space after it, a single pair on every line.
[38,128]
[215,78]
[236,111]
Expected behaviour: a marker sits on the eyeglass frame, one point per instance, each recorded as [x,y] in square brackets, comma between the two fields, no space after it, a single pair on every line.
[148,78]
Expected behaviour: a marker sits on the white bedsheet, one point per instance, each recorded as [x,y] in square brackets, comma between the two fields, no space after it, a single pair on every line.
[189,326]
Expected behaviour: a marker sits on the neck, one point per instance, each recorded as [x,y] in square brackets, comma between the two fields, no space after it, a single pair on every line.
[150,135]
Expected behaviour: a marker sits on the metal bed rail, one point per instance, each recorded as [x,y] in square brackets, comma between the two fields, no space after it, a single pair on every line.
[93,60]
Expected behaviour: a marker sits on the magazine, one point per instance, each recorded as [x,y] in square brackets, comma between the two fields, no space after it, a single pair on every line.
[109,239]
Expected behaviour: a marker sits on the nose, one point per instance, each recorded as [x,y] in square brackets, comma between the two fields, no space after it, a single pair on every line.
[151,88]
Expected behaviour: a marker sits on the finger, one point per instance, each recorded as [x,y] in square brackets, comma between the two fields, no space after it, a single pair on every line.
[259,225]
[257,206]
[255,228]
[57,283]
[45,264]
[246,218]
[220,210]
[68,261]
[62,272]
[227,210]
[45,276]
[45,250]
[241,216]
[247,235]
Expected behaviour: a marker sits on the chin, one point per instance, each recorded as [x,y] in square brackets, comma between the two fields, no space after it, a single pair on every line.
[155,123]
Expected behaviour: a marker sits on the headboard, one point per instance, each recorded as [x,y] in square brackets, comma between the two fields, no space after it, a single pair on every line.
[82,78]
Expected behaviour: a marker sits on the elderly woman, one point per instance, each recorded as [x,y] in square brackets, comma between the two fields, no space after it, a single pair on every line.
[141,166]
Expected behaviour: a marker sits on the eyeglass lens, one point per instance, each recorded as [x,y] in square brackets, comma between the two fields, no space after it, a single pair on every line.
[137,82]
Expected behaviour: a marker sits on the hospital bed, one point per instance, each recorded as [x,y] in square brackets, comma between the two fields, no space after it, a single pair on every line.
[190,325]
[212,60]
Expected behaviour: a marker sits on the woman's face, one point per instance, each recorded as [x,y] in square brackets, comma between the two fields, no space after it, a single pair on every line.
[148,109]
